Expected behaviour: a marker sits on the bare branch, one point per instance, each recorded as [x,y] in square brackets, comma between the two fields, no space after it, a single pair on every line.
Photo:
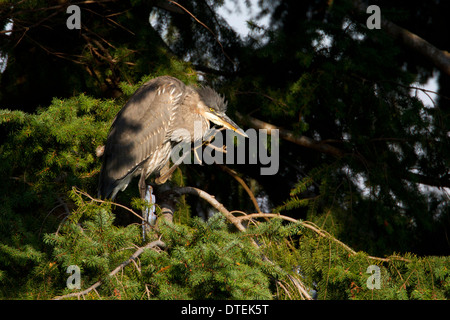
[242,183]
[290,136]
[306,224]
[311,226]
[237,221]
[440,58]
[212,201]
[206,27]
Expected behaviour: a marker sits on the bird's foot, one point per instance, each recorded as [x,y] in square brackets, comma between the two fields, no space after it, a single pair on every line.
[148,213]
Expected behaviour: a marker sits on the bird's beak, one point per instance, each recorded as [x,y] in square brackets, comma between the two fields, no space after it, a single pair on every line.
[222,119]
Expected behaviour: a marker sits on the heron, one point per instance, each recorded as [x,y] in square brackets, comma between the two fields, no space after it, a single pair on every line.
[141,137]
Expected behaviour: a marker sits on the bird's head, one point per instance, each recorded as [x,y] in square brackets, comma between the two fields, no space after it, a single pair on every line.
[213,107]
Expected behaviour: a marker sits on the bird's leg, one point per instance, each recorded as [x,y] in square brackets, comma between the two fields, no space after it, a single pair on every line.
[208,142]
[208,136]
[142,185]
[166,174]
[223,149]
[148,213]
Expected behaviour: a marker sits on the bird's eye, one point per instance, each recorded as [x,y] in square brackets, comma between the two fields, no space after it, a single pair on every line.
[211,109]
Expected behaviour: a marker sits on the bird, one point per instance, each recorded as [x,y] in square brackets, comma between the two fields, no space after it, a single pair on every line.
[142,135]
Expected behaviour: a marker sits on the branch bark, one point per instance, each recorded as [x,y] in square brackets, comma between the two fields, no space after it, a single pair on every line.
[440,58]
[336,152]
[307,224]
[236,221]
[303,141]
[212,201]
[242,183]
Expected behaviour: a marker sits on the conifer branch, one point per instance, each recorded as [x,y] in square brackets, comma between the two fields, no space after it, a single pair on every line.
[236,221]
[135,255]
[307,224]
[206,27]
[78,191]
[212,201]
[311,226]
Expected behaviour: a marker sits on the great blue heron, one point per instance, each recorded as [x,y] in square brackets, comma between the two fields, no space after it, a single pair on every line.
[141,137]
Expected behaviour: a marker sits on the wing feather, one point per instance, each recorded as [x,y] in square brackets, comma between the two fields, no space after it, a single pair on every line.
[138,130]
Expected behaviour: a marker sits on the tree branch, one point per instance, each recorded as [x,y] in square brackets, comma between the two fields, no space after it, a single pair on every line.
[440,58]
[237,222]
[78,191]
[328,149]
[442,182]
[137,253]
[212,201]
[307,224]
[242,183]
[206,27]
[289,136]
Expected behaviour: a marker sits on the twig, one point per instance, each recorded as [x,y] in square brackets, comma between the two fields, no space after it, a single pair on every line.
[306,224]
[310,225]
[237,222]
[76,190]
[66,210]
[137,253]
[212,201]
[300,287]
[206,27]
[440,58]
[242,183]
[279,283]
[390,258]
[288,135]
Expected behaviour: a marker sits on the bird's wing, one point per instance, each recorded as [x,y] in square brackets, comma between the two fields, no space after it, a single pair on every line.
[138,130]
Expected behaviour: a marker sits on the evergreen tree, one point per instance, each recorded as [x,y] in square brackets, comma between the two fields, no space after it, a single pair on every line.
[363,179]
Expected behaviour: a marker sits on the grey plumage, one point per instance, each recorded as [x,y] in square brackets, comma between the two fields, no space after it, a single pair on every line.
[140,139]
